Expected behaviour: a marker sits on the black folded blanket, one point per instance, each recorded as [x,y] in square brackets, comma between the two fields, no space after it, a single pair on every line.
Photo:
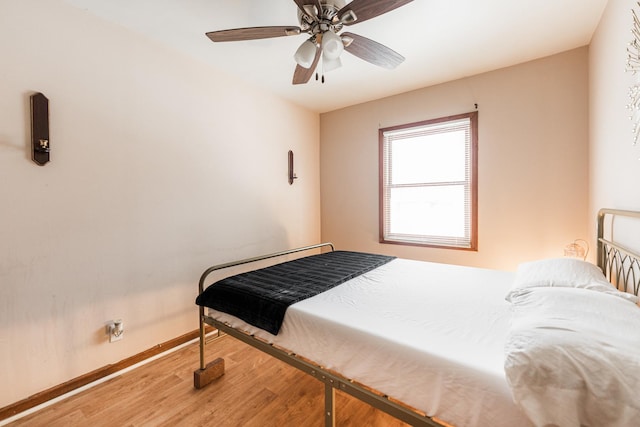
[261,297]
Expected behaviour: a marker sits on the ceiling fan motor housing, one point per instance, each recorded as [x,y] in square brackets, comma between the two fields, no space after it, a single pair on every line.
[326,20]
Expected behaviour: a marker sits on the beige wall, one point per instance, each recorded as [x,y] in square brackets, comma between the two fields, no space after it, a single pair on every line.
[614,167]
[160,168]
[533,160]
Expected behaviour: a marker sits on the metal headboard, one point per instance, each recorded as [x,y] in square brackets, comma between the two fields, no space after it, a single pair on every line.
[620,265]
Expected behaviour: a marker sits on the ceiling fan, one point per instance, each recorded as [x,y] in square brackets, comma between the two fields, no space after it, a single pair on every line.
[322,20]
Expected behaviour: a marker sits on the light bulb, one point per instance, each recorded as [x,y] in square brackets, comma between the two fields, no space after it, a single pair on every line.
[332,45]
[305,54]
[331,64]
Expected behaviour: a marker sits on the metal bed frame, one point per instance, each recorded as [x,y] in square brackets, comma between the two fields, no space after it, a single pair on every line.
[620,265]
[331,380]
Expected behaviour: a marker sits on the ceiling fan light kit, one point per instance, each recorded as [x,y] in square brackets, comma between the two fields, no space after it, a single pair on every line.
[323,20]
[332,45]
[305,54]
[331,64]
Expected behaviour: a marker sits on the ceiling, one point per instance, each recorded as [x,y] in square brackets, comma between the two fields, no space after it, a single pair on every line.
[442,40]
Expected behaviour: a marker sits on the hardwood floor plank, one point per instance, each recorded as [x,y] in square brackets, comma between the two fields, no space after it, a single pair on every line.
[257,390]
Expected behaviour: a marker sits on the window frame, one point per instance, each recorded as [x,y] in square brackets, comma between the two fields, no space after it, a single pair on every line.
[473,177]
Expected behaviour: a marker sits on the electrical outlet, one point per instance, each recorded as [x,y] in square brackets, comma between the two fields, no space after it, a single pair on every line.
[115,330]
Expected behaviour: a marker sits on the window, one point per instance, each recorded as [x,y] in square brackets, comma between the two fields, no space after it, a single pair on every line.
[428,183]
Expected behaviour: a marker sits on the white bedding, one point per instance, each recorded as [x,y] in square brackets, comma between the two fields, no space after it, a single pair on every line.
[572,357]
[430,335]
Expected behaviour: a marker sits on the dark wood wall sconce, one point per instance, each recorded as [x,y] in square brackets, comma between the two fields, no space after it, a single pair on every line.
[292,174]
[40,145]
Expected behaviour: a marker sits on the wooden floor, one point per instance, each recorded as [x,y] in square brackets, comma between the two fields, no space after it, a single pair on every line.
[256,390]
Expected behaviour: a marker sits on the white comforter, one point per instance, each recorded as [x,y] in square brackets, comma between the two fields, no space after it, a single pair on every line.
[573,357]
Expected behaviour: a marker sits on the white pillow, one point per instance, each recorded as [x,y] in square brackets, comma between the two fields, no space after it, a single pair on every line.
[563,272]
[571,357]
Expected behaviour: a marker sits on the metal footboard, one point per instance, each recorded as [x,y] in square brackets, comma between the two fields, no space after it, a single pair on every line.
[210,270]
[331,380]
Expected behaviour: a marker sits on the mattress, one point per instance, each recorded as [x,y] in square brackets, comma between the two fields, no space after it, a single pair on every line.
[430,335]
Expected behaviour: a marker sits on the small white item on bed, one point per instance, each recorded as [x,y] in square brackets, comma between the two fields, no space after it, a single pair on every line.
[563,272]
[572,357]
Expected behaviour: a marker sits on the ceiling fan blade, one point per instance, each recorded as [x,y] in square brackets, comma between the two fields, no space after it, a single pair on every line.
[302,3]
[371,51]
[367,9]
[252,33]
[302,75]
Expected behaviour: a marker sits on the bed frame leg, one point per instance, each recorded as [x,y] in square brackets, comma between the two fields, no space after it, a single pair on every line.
[329,405]
[213,371]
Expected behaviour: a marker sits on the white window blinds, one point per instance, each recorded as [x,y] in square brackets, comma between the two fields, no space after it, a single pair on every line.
[428,183]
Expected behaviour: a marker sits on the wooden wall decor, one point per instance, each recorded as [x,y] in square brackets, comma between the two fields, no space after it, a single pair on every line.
[291,172]
[40,144]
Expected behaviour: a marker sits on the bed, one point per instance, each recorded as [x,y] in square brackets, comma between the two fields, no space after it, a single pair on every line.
[435,344]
